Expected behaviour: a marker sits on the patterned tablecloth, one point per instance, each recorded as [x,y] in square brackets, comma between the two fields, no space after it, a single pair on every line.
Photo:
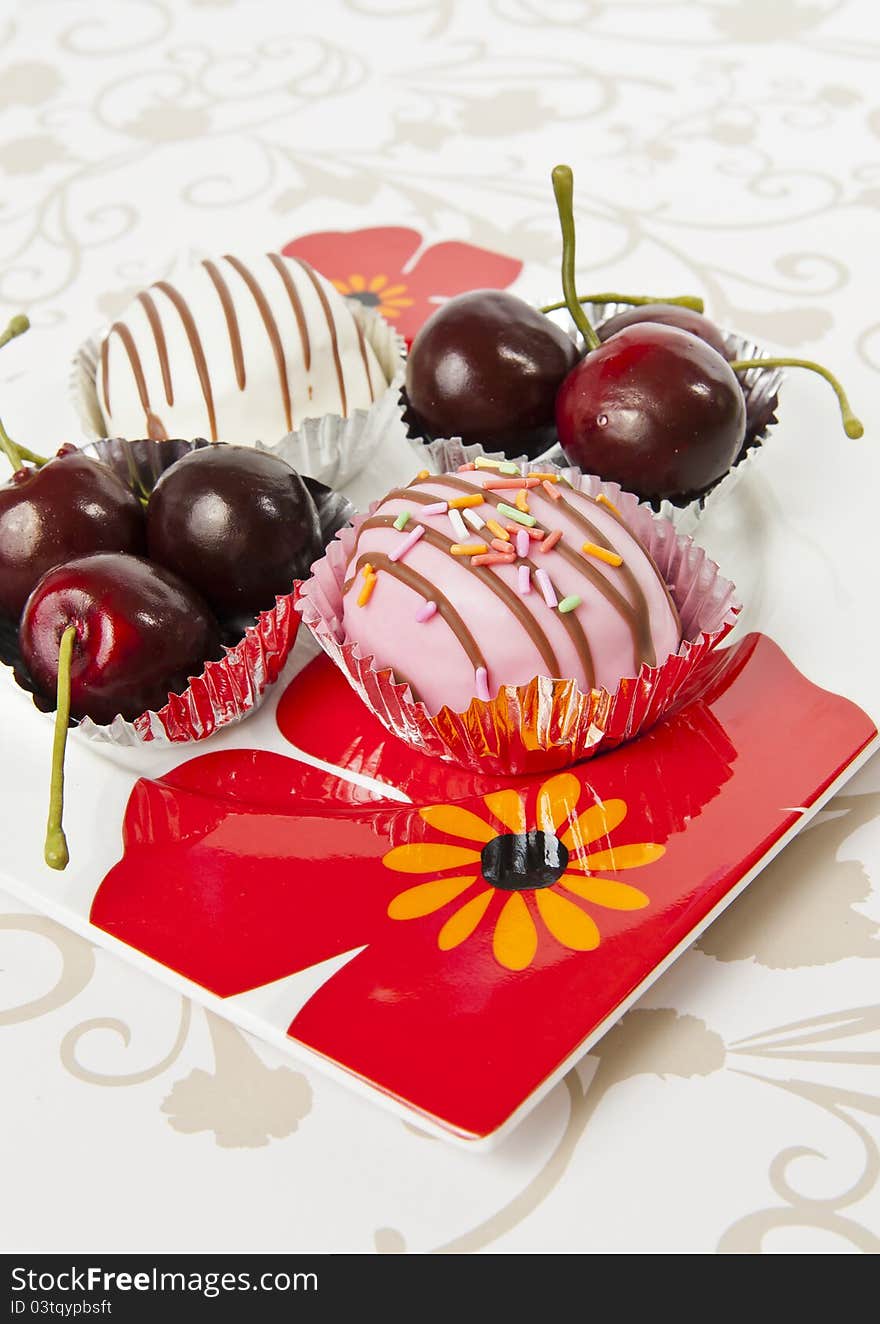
[729,147]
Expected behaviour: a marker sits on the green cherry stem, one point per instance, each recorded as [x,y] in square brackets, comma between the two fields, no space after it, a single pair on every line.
[563,190]
[17,327]
[637,300]
[55,851]
[852,426]
[15,454]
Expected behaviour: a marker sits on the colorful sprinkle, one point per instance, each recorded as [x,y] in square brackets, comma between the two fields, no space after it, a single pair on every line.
[545,478]
[510,484]
[426,611]
[496,528]
[459,527]
[603,501]
[508,468]
[402,520]
[468,549]
[522,501]
[459,503]
[493,558]
[502,546]
[546,588]
[551,540]
[518,516]
[483,462]
[524,580]
[534,534]
[570,603]
[422,475]
[522,542]
[409,541]
[466,468]
[435,508]
[481,679]
[474,520]
[551,490]
[367,589]
[602,554]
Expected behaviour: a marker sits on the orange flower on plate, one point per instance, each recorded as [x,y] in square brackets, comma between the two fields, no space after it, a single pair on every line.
[543,869]
[376,292]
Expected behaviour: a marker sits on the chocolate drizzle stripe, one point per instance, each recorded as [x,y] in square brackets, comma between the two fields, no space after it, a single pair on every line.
[635,614]
[406,575]
[296,304]
[362,345]
[511,599]
[231,320]
[157,329]
[271,330]
[654,566]
[195,344]
[334,339]
[640,616]
[155,429]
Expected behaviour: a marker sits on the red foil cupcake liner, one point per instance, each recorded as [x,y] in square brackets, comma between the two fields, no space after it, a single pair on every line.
[548,723]
[226,690]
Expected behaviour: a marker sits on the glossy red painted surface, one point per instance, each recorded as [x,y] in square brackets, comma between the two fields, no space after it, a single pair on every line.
[241,867]
[384,268]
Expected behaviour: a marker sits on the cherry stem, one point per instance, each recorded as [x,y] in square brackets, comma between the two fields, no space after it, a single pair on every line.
[17,327]
[852,426]
[563,190]
[55,851]
[637,300]
[15,454]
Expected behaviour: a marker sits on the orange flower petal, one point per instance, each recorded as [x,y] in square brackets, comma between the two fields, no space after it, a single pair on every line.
[357,283]
[428,857]
[594,823]
[508,808]
[458,823]
[342,286]
[621,857]
[396,305]
[393,289]
[425,898]
[606,892]
[462,924]
[557,800]
[515,940]
[570,925]
[377,283]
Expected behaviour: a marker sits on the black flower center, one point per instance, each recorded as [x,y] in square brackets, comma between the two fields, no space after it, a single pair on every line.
[366,297]
[519,861]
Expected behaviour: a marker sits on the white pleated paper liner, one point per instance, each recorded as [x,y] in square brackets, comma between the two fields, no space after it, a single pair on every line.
[550,722]
[330,455]
[228,689]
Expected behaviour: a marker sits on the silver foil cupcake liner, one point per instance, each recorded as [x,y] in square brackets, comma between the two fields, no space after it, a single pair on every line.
[227,690]
[329,454]
[550,722]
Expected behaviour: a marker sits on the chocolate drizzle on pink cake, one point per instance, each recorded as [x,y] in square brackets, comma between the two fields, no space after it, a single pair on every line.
[545,581]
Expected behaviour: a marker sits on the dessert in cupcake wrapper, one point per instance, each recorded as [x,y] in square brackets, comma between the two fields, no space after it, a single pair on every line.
[228,689]
[548,723]
[330,449]
[761,391]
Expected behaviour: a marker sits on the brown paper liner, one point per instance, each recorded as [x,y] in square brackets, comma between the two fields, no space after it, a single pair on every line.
[548,723]
[226,690]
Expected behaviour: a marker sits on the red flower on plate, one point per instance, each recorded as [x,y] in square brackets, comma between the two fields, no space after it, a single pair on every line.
[387,268]
[478,942]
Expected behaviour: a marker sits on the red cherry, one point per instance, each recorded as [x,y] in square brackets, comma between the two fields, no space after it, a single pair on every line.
[655,409]
[666,314]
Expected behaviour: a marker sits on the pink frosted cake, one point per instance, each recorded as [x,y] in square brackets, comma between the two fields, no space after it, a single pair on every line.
[462,583]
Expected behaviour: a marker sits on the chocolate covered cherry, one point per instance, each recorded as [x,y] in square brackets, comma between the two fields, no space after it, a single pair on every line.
[486,367]
[238,524]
